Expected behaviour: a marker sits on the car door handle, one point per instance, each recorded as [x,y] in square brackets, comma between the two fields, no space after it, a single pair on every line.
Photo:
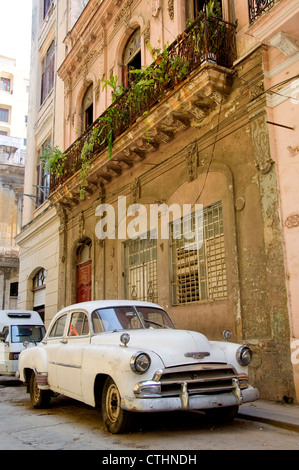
[63,341]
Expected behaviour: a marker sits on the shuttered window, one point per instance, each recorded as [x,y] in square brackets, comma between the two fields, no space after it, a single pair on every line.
[200,273]
[48,65]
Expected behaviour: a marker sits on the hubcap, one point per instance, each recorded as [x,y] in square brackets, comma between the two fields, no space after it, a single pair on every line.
[36,392]
[113,403]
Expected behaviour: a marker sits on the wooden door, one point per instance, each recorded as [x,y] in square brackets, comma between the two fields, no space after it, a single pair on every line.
[84,282]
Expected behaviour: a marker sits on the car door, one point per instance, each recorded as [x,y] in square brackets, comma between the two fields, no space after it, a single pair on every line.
[51,344]
[70,353]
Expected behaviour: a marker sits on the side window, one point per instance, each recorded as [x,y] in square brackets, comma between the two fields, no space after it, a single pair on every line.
[58,327]
[78,325]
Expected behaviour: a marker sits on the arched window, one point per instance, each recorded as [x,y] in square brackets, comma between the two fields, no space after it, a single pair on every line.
[87,108]
[39,292]
[131,56]
[83,270]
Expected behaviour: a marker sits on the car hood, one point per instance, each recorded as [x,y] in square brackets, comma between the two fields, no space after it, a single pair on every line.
[171,345]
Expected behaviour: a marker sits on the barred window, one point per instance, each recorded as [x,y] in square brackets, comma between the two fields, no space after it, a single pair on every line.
[140,263]
[200,274]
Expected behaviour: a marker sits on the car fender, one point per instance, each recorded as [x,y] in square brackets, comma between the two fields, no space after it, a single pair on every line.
[114,361]
[32,358]
[230,351]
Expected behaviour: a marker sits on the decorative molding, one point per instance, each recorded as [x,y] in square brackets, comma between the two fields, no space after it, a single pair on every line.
[156,5]
[261,145]
[191,161]
[171,9]
[292,221]
[135,190]
[288,45]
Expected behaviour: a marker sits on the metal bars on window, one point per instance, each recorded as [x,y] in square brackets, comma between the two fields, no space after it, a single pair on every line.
[140,261]
[258,7]
[200,273]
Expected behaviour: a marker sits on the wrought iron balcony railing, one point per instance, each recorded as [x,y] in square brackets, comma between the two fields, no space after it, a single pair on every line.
[258,7]
[207,39]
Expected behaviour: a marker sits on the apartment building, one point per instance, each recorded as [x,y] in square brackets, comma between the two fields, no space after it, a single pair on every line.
[210,121]
[14,92]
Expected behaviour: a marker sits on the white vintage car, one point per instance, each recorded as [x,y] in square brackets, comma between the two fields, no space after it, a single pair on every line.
[127,357]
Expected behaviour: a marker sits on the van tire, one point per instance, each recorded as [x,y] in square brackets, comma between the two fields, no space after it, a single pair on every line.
[39,398]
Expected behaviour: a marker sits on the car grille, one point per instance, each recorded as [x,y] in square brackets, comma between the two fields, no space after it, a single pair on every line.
[199,379]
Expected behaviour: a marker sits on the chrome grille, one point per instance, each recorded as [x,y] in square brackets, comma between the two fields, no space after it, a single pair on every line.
[199,379]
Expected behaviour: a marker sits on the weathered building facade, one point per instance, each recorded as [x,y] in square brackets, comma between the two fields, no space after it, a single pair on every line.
[207,133]
[14,86]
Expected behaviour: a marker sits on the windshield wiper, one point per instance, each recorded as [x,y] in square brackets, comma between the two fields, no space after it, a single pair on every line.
[155,323]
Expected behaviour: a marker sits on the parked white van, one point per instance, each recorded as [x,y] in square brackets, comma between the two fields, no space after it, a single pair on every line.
[19,329]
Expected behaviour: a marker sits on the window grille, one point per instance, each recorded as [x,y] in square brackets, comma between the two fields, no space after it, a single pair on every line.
[140,261]
[258,7]
[200,273]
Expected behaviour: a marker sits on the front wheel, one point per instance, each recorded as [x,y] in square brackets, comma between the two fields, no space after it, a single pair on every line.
[39,398]
[115,418]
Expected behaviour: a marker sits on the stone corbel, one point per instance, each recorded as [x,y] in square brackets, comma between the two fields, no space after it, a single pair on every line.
[288,45]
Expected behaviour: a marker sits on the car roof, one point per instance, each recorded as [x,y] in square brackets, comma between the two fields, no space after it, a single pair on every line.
[95,304]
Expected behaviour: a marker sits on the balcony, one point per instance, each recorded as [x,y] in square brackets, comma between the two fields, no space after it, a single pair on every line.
[207,49]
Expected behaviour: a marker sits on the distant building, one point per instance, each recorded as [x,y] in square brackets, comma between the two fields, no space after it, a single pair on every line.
[217,126]
[14,93]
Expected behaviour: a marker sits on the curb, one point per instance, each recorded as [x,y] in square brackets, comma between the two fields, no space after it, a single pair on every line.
[272,419]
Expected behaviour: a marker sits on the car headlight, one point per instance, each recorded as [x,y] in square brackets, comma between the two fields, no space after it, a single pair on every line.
[244,355]
[140,363]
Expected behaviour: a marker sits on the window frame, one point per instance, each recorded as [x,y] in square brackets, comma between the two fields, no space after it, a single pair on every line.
[3,113]
[141,264]
[47,72]
[193,271]
[3,84]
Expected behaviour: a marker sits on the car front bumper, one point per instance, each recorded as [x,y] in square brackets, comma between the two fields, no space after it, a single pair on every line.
[194,402]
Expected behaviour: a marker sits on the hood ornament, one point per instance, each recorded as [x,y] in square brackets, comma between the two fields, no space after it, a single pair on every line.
[197,355]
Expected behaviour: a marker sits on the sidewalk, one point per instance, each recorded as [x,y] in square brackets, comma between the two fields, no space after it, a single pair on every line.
[277,414]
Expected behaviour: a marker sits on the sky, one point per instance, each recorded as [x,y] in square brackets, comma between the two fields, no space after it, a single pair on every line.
[15,30]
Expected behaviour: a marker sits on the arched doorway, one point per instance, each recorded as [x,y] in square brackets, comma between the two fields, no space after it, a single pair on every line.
[83,271]
[131,57]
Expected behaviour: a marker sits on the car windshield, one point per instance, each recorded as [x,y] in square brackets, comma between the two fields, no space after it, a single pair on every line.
[30,333]
[129,318]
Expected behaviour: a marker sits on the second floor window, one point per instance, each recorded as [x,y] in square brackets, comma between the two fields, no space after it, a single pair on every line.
[3,114]
[5,84]
[48,72]
[131,57]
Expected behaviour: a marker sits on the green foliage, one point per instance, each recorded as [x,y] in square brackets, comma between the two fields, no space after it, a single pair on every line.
[53,160]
